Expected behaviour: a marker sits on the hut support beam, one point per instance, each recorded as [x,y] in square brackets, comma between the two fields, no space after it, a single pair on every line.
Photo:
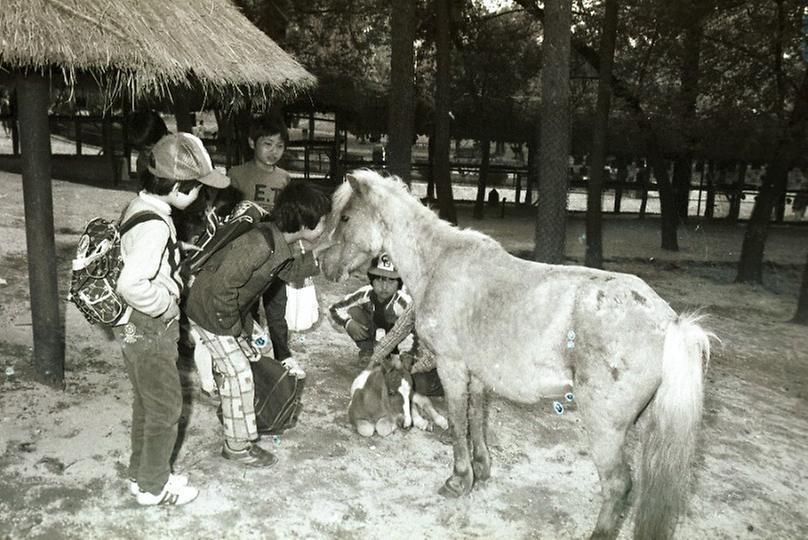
[49,349]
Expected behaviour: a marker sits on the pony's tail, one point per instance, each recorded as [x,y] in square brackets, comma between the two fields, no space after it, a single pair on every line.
[670,441]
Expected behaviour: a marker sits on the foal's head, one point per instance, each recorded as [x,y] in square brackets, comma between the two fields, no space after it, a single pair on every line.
[398,382]
[356,231]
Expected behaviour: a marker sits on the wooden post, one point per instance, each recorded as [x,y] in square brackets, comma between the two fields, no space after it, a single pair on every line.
[78,121]
[709,205]
[49,344]
[336,169]
[15,124]
[109,150]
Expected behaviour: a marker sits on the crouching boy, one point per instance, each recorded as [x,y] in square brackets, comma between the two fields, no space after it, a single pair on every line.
[370,312]
[148,331]
[225,290]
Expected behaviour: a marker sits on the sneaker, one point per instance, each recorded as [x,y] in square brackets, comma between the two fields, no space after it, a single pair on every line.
[254,456]
[294,368]
[172,494]
[175,479]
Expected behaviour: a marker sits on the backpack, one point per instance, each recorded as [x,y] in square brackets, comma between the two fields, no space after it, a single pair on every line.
[277,396]
[96,268]
[219,234]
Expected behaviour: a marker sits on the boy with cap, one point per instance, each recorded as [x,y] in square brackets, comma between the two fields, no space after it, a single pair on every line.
[371,311]
[150,284]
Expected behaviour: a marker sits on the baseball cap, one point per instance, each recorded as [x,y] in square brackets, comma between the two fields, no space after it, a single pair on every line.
[182,156]
[383,266]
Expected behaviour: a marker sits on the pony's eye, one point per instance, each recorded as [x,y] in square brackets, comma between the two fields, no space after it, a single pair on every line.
[344,218]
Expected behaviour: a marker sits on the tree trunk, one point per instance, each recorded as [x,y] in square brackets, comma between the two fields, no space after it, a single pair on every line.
[533,145]
[182,112]
[667,204]
[49,342]
[443,179]
[682,175]
[750,267]
[594,199]
[737,192]
[689,77]
[401,122]
[479,203]
[550,234]
[430,183]
[801,316]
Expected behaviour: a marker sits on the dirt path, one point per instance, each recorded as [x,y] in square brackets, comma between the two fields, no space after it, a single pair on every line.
[62,470]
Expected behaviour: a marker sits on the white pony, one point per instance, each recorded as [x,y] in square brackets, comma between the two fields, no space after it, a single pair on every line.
[526,330]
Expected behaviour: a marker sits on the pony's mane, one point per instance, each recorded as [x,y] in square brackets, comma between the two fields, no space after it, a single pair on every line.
[390,188]
[344,192]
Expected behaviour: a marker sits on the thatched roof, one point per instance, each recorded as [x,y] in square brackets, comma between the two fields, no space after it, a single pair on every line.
[148,47]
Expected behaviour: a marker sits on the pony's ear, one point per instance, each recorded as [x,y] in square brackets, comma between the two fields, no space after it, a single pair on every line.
[391,362]
[359,182]
[353,181]
[407,360]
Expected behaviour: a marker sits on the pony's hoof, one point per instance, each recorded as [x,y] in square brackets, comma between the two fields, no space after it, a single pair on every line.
[454,487]
[441,421]
[482,470]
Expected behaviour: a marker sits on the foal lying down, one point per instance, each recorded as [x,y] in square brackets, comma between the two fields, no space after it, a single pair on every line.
[383,398]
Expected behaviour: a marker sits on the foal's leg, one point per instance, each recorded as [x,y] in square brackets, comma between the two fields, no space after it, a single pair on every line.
[455,379]
[385,426]
[424,403]
[478,426]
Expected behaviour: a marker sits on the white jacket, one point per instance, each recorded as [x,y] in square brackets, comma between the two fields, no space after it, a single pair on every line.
[147,282]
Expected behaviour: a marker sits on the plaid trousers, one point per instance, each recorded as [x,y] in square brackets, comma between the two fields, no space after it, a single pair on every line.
[231,359]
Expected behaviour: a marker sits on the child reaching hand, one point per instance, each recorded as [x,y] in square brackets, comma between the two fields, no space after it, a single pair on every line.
[227,286]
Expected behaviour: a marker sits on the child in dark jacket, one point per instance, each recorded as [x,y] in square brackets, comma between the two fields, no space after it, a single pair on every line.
[224,292]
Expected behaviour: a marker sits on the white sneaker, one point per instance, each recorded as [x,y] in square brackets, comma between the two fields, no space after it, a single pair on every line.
[294,368]
[175,479]
[171,494]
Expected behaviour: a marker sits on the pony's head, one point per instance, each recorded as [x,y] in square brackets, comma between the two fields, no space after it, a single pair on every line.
[356,231]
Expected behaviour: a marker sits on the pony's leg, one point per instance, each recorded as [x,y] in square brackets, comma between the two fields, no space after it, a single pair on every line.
[607,423]
[478,425]
[455,385]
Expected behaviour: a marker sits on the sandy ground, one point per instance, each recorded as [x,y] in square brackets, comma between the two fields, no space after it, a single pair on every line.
[62,470]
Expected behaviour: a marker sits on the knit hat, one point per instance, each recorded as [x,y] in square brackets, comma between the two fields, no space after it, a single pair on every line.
[383,266]
[182,156]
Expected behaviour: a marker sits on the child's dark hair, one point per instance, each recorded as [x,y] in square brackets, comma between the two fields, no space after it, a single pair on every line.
[144,128]
[163,186]
[224,200]
[191,221]
[298,205]
[156,185]
[266,126]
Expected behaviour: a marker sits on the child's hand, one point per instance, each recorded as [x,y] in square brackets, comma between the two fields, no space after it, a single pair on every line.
[185,246]
[357,331]
[173,312]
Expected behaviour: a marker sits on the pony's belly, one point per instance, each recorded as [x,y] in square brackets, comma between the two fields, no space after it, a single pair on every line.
[532,385]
